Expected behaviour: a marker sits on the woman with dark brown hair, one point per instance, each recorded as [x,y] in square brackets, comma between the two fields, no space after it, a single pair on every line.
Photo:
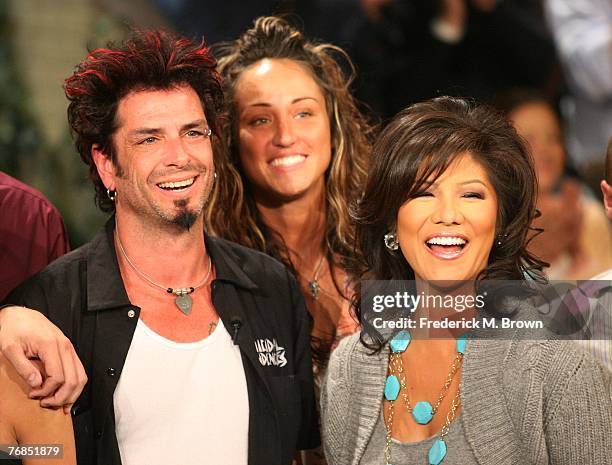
[447,207]
[298,147]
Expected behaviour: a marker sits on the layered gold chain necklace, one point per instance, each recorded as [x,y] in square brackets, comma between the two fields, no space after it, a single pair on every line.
[423,411]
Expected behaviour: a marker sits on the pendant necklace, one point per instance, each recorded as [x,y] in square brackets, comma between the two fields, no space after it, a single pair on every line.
[422,412]
[183,300]
[313,284]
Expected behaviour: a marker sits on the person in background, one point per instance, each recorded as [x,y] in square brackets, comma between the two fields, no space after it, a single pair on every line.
[606,190]
[582,30]
[577,237]
[32,233]
[600,344]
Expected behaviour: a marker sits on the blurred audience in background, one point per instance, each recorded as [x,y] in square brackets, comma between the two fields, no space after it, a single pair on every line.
[410,50]
[583,34]
[577,235]
[32,233]
[405,51]
[218,21]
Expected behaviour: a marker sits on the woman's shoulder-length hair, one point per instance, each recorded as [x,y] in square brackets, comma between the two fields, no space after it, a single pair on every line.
[415,148]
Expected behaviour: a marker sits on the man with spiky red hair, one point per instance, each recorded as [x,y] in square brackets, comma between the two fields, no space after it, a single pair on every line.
[194,349]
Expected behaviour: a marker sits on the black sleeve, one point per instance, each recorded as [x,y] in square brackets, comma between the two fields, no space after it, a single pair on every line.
[59,292]
[29,294]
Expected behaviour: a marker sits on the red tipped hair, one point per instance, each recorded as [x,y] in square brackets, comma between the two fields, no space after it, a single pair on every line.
[148,59]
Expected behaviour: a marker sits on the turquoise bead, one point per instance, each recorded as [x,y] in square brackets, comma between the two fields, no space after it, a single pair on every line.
[461,343]
[437,452]
[392,388]
[422,412]
[400,342]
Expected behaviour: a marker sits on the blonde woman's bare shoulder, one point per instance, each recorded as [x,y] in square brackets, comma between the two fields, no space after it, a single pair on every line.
[23,421]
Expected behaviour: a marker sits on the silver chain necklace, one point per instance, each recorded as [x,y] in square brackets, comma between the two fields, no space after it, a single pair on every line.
[183,300]
[313,284]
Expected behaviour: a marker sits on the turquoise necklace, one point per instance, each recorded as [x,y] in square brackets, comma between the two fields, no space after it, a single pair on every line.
[423,411]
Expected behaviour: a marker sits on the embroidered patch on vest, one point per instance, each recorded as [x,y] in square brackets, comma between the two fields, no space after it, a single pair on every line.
[270,353]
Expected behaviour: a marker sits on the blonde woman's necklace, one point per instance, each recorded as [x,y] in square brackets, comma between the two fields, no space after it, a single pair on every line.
[313,284]
[422,412]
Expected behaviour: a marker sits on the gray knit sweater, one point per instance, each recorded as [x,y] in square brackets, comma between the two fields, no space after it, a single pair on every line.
[523,402]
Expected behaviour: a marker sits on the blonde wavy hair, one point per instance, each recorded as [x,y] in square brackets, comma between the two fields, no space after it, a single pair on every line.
[232,213]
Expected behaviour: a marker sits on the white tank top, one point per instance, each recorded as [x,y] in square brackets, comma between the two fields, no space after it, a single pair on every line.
[182,403]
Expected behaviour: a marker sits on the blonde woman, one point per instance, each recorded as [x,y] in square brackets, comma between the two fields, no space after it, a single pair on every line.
[298,156]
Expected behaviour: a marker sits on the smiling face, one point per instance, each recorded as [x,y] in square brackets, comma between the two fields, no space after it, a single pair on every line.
[447,231]
[283,130]
[164,156]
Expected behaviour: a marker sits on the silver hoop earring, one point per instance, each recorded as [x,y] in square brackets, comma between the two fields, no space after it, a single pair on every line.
[214,174]
[391,241]
[112,195]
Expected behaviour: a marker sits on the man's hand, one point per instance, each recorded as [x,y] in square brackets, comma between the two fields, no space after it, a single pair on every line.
[26,334]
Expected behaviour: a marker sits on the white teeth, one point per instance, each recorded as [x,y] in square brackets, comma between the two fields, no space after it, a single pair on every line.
[446,240]
[288,161]
[177,184]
